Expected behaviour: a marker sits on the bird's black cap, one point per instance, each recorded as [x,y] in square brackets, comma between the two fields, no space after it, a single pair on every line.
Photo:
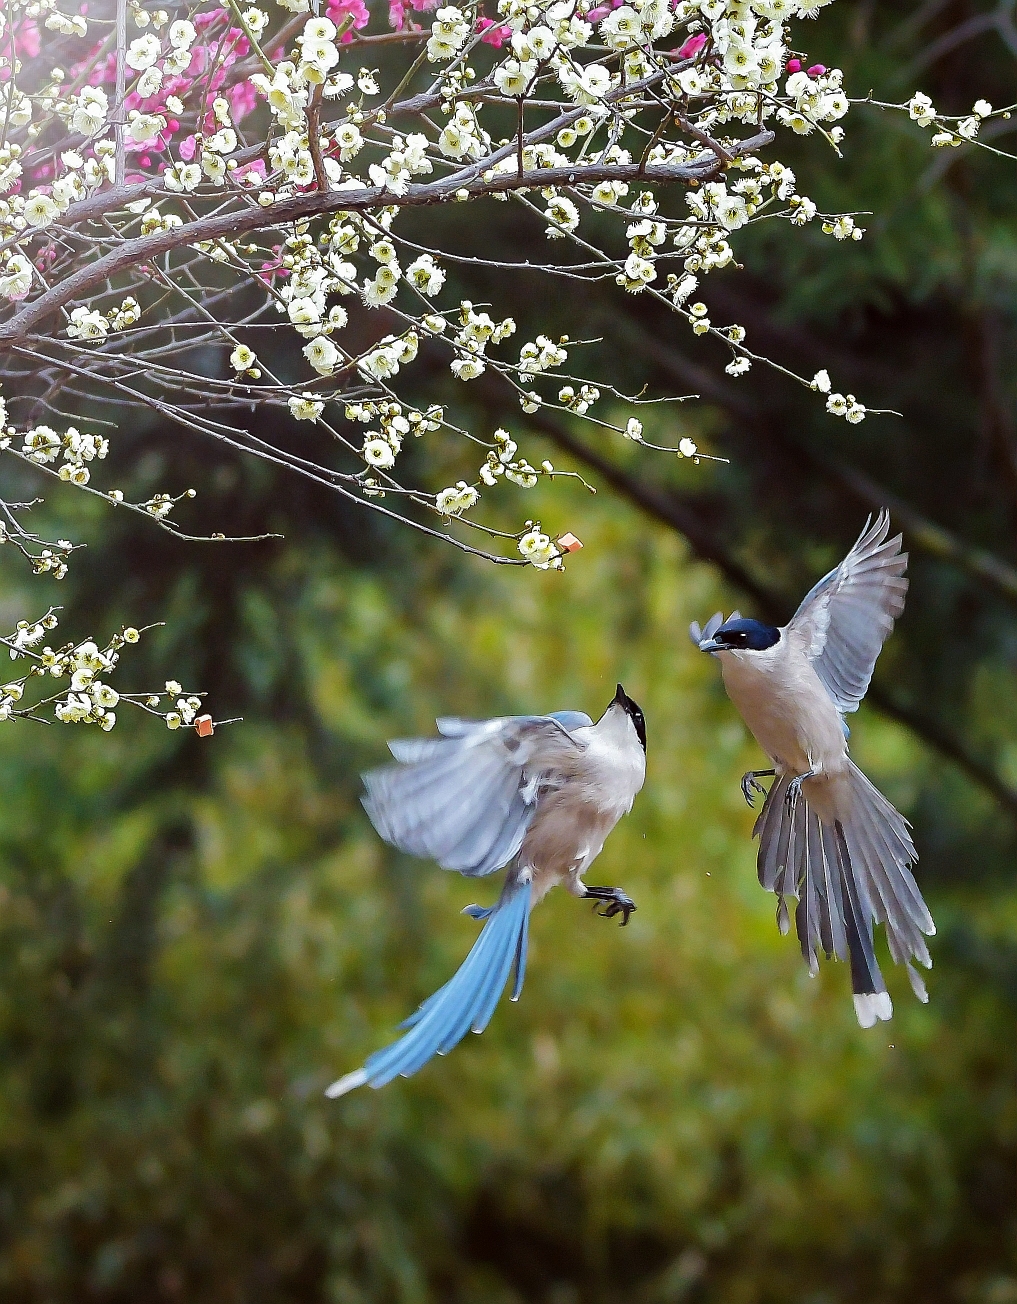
[746,634]
[631,709]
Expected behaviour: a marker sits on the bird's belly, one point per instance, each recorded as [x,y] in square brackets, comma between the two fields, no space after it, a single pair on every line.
[566,836]
[799,731]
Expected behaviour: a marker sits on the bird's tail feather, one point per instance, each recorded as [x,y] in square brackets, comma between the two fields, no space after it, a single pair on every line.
[467,1001]
[846,868]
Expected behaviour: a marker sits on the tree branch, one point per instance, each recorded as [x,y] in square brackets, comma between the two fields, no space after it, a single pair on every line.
[143,249]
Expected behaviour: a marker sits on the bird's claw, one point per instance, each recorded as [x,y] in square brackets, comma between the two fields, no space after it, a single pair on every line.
[616,902]
[751,784]
[794,789]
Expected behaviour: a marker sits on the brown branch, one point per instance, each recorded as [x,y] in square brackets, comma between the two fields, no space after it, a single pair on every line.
[314,140]
[704,138]
[143,249]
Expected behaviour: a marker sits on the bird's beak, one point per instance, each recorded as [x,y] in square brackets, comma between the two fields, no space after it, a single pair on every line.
[711,645]
[620,697]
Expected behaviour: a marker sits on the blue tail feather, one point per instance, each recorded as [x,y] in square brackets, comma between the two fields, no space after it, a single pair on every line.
[521,950]
[468,999]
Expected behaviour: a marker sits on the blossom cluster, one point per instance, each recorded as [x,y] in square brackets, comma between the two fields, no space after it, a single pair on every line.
[86,696]
[228,154]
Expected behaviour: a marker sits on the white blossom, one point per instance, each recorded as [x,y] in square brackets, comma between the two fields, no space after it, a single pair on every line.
[242,358]
[305,407]
[322,354]
[426,275]
[40,210]
[456,500]
[921,110]
[378,453]
[143,52]
[90,108]
[538,549]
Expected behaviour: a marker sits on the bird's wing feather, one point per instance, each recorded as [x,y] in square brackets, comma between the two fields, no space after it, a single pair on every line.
[699,636]
[844,621]
[466,799]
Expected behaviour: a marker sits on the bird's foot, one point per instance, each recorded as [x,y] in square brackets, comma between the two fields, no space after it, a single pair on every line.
[751,784]
[617,902]
[795,787]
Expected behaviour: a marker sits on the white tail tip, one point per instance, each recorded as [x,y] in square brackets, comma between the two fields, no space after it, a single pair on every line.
[349,1083]
[872,1006]
[917,985]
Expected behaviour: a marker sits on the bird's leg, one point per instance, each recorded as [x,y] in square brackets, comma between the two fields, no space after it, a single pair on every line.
[618,902]
[751,784]
[795,787]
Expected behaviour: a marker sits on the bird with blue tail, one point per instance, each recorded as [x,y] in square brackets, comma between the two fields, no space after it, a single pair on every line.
[538,794]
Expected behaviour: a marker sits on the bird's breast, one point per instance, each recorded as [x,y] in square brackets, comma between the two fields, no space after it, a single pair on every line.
[787,709]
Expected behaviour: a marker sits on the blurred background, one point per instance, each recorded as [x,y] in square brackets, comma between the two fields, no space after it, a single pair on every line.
[196,937]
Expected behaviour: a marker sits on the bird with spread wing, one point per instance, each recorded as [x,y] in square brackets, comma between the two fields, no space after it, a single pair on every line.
[828,839]
[539,794]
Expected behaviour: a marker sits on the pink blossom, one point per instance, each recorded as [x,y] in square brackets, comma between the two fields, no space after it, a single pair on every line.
[176,86]
[237,45]
[243,100]
[199,60]
[595,15]
[186,148]
[692,46]
[105,71]
[207,19]
[26,40]
[816,70]
[493,34]
[338,9]
[397,15]
[251,171]
[794,65]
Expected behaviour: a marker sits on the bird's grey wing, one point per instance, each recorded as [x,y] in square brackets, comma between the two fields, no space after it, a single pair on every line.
[844,621]
[466,799]
[572,720]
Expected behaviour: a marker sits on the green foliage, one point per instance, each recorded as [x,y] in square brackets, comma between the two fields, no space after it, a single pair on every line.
[674,1111]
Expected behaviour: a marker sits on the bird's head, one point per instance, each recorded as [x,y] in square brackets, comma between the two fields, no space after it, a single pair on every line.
[623,702]
[741,635]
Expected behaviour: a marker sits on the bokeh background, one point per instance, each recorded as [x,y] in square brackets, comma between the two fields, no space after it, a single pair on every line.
[196,937]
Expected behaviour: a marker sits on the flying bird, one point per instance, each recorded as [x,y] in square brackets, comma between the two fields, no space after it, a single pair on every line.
[828,839]
[538,793]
